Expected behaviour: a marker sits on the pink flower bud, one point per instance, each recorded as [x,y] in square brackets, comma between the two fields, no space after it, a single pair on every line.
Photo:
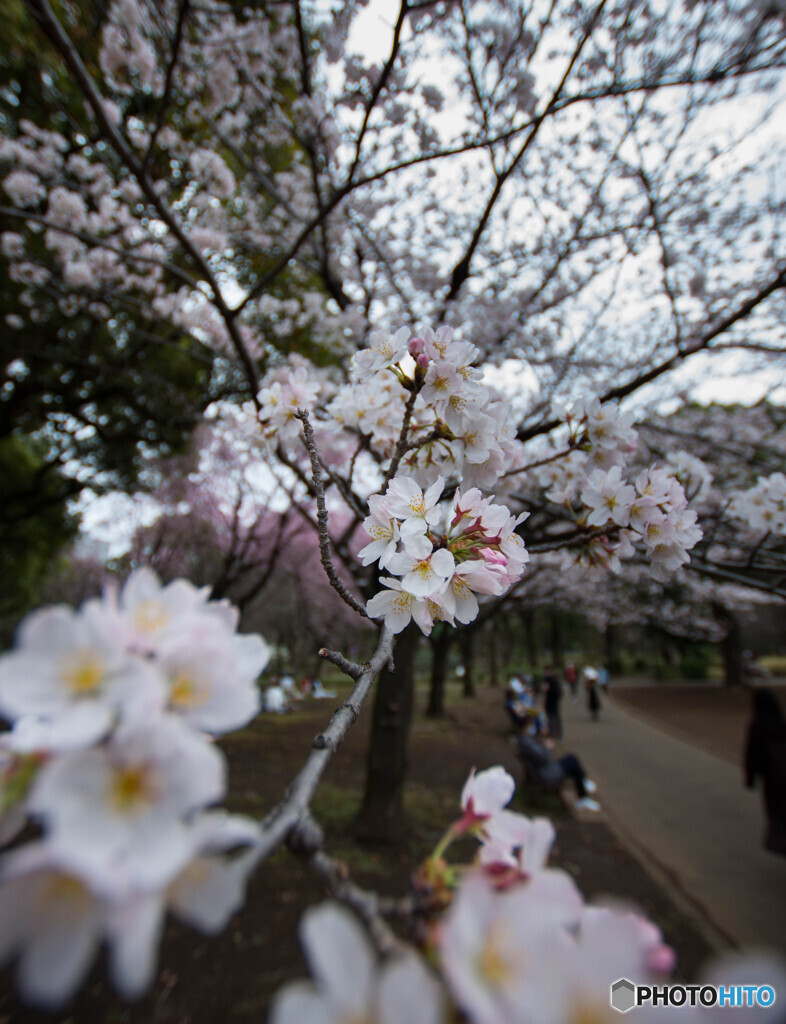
[423,361]
[494,557]
[416,346]
[662,960]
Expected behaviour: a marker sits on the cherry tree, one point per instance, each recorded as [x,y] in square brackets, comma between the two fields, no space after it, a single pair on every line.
[355,244]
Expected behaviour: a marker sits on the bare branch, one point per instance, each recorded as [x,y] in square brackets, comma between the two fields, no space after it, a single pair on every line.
[699,344]
[182,14]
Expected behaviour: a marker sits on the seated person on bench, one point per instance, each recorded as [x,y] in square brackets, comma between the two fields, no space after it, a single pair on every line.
[545,770]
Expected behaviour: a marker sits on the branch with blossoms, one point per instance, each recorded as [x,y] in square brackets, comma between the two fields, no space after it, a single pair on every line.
[112,706]
[505,938]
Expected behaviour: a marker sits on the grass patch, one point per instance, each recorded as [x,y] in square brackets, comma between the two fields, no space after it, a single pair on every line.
[335,807]
[534,801]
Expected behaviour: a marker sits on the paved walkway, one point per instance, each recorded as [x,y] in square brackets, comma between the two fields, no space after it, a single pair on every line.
[688,811]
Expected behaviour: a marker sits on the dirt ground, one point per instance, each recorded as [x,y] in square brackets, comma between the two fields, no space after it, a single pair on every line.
[232,977]
[704,714]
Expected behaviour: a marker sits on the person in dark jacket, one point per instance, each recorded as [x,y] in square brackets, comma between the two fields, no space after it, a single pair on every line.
[765,756]
[552,689]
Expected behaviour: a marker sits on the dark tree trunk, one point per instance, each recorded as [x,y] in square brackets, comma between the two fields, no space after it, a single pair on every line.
[557,638]
[440,645]
[731,648]
[382,810]
[611,645]
[533,654]
[466,639]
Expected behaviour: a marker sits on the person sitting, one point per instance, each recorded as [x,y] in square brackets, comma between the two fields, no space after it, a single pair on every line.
[319,693]
[274,700]
[534,749]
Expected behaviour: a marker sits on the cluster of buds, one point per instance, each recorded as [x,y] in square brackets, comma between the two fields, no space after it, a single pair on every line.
[443,555]
[113,708]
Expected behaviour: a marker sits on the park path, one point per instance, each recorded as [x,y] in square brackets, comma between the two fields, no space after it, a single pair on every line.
[686,811]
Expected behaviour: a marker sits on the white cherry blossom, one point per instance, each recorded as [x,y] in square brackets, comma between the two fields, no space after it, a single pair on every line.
[349,984]
[63,658]
[122,805]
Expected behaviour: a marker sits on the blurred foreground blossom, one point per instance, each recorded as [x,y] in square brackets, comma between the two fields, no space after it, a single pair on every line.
[349,983]
[108,754]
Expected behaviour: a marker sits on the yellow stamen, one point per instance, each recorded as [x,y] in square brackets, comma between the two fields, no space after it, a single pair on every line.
[185,692]
[131,788]
[82,672]
[150,616]
[492,964]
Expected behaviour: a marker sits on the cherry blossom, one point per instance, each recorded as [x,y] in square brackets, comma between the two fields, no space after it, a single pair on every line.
[350,984]
[486,793]
[123,805]
[384,350]
[63,658]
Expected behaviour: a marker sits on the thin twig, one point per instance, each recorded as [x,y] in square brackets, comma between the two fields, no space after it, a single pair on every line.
[349,668]
[401,444]
[322,518]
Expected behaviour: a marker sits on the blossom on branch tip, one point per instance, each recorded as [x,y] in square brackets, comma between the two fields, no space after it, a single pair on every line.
[384,532]
[398,607]
[609,496]
[485,793]
[384,350]
[424,576]
[404,499]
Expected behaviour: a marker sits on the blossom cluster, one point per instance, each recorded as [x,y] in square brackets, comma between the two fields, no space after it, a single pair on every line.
[442,555]
[655,511]
[600,436]
[113,708]
[763,507]
[517,944]
[458,427]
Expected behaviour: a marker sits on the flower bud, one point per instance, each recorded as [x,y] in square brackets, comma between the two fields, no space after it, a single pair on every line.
[423,361]
[416,346]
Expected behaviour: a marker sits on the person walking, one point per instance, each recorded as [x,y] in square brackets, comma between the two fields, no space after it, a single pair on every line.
[593,697]
[572,680]
[765,756]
